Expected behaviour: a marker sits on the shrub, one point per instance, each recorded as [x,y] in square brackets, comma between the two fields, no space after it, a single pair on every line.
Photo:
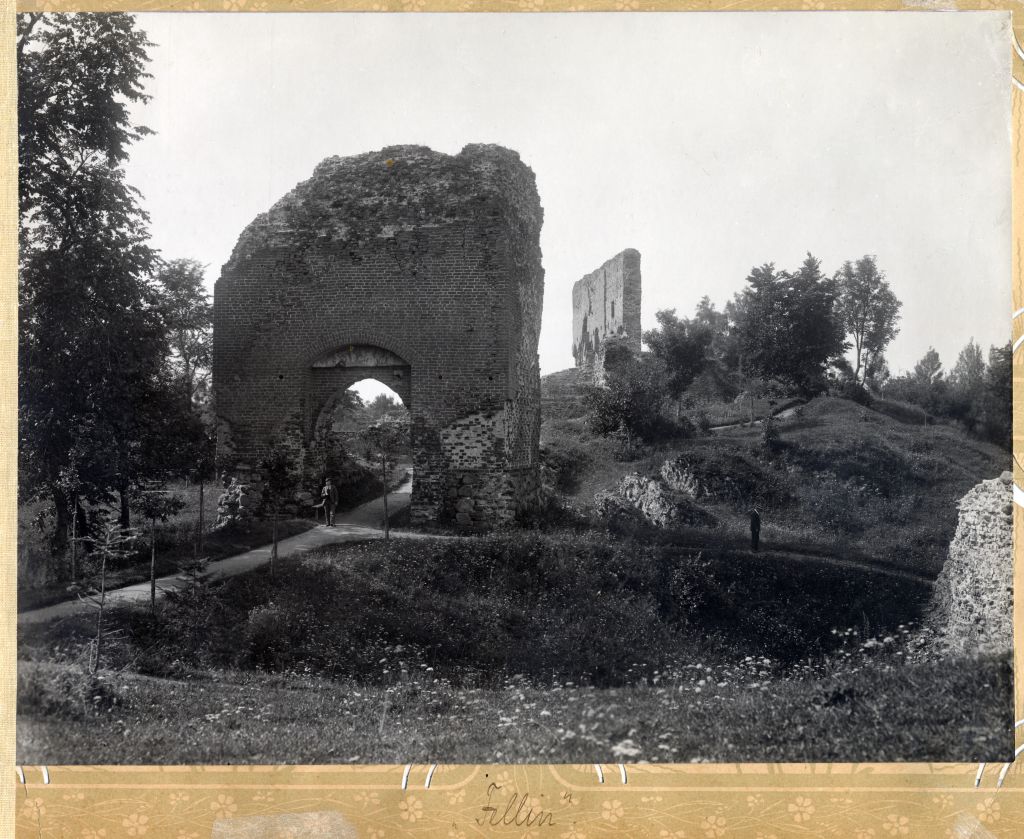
[65,690]
[855,392]
[567,606]
[562,464]
[770,436]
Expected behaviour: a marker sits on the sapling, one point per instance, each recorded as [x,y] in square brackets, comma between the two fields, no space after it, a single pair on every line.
[384,441]
[280,477]
[157,505]
[113,545]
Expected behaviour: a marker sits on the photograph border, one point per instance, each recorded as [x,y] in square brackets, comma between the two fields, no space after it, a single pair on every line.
[668,801]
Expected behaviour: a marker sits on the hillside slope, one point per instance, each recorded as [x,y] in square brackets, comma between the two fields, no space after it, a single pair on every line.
[843,479]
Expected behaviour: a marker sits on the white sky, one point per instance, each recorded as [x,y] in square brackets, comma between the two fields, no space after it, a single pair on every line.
[709,142]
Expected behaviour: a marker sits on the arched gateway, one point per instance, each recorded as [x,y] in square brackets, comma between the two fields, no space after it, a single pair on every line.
[419,269]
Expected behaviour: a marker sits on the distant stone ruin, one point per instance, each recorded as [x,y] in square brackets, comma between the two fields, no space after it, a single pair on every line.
[606,303]
[419,269]
[972,605]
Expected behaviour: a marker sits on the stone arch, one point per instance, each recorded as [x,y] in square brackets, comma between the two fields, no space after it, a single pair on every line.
[334,371]
[432,260]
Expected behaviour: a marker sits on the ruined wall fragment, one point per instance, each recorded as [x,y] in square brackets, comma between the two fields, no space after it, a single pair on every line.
[606,303]
[416,268]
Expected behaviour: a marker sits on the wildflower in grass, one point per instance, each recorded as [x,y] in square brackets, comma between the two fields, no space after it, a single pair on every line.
[896,825]
[755,800]
[625,748]
[713,826]
[456,834]
[865,833]
[611,810]
[94,833]
[223,806]
[74,796]
[573,833]
[943,800]
[136,824]
[988,810]
[376,833]
[177,798]
[457,797]
[365,799]
[760,835]
[411,809]
[675,834]
[801,808]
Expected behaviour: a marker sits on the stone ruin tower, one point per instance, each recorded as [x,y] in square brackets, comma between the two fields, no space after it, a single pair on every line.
[605,303]
[419,269]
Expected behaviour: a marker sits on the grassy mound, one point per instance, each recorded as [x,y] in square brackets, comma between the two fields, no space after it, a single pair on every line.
[842,480]
[571,607]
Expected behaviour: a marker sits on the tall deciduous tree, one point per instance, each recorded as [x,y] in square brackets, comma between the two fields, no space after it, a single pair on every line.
[681,345]
[868,310]
[786,325]
[92,340]
[188,314]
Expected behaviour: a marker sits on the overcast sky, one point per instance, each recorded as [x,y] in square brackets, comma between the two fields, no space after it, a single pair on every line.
[709,142]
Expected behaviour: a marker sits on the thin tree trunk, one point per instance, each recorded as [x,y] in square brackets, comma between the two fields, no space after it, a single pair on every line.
[273,550]
[74,542]
[199,537]
[384,471]
[125,519]
[99,612]
[152,564]
[59,539]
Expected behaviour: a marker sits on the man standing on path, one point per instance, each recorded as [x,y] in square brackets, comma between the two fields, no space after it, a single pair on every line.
[755,528]
[330,496]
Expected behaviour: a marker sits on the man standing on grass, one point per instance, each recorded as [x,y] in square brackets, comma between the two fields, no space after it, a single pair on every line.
[330,496]
[755,528]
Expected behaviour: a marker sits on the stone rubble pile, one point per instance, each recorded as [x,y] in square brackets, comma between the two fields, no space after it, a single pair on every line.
[655,501]
[971,610]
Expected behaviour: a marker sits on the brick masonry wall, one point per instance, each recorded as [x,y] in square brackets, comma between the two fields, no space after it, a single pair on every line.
[434,259]
[606,302]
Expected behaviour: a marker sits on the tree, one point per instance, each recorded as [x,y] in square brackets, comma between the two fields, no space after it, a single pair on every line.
[868,311]
[786,325]
[280,476]
[157,505]
[112,547]
[631,399]
[997,398]
[928,370]
[968,374]
[188,315]
[91,340]
[384,441]
[681,346]
[967,385]
[77,75]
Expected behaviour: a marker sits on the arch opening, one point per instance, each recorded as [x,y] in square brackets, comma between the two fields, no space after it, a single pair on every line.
[340,448]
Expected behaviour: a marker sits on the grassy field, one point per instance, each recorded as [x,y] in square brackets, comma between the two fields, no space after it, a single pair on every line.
[534,647]
[922,712]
